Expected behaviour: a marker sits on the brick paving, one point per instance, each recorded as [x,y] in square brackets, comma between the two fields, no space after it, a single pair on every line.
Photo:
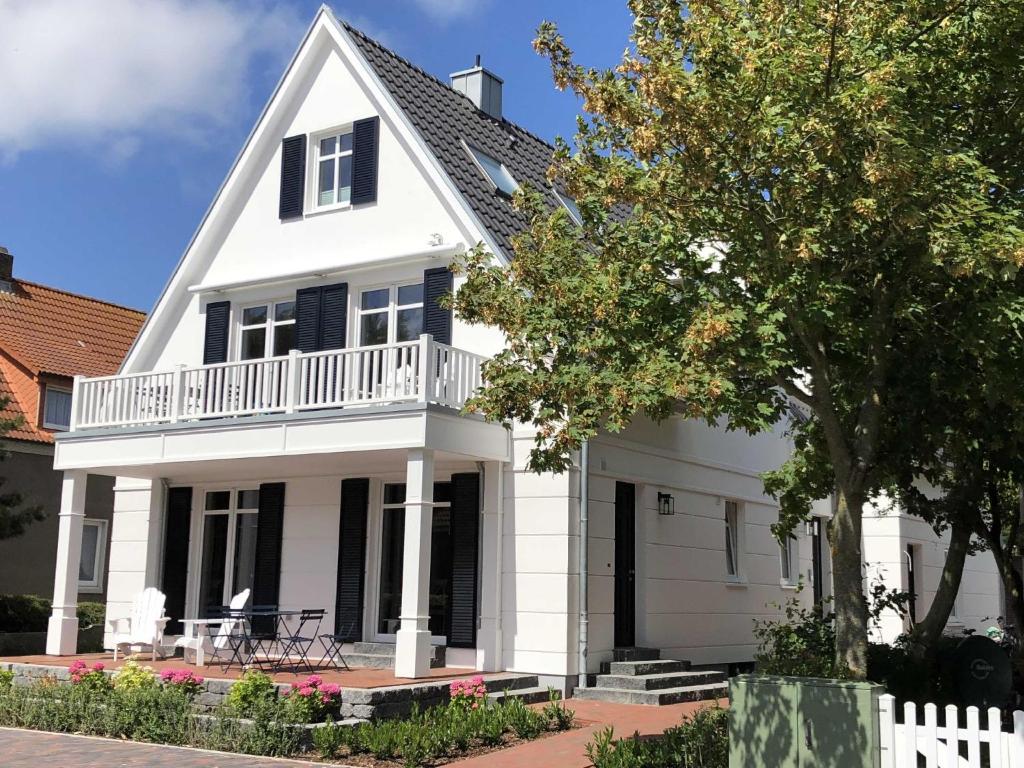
[29,749]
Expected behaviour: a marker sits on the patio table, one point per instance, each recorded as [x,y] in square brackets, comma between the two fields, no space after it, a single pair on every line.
[196,631]
[265,639]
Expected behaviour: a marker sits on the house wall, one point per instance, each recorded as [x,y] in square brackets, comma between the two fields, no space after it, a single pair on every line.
[887,532]
[27,562]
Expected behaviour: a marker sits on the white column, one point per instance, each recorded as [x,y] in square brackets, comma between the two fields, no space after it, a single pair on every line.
[62,632]
[412,652]
[488,645]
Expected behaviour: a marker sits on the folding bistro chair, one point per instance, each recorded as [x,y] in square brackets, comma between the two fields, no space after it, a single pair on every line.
[304,636]
[261,635]
[332,646]
[230,638]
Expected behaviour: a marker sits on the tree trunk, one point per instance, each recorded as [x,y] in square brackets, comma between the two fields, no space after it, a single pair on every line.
[1013,582]
[927,633]
[851,614]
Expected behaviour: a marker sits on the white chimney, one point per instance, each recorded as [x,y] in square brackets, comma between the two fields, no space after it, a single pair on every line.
[481,86]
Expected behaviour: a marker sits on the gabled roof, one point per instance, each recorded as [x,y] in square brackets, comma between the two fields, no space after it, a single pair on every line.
[46,333]
[444,118]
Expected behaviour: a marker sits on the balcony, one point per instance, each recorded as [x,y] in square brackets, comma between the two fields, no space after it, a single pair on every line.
[422,371]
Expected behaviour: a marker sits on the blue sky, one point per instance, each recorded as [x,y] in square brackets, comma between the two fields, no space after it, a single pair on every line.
[116,129]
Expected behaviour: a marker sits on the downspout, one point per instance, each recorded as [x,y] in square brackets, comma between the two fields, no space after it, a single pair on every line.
[584,547]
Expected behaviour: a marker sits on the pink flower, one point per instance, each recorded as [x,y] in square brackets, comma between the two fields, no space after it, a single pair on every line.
[98,666]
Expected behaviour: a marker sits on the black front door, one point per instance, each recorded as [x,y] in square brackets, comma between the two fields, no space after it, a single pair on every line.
[817,569]
[625,565]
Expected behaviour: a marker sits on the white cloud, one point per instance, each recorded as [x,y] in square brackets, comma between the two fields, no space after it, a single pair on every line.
[82,72]
[446,10]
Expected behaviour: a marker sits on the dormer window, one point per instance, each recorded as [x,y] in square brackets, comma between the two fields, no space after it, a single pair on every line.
[334,169]
[495,172]
[56,408]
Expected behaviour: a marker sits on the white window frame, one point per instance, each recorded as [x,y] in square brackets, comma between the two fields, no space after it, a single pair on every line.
[737,536]
[391,310]
[270,324]
[46,424]
[95,586]
[789,552]
[196,557]
[316,157]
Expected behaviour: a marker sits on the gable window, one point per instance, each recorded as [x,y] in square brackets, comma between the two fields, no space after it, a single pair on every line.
[94,546]
[391,314]
[789,560]
[334,169]
[56,408]
[733,548]
[267,330]
[495,172]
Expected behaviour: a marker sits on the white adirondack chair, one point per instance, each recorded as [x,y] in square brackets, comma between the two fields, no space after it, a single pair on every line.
[145,625]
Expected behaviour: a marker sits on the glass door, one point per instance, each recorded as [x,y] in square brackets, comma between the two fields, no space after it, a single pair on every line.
[389,604]
[228,547]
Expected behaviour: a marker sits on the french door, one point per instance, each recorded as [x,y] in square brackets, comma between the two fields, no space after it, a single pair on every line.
[228,546]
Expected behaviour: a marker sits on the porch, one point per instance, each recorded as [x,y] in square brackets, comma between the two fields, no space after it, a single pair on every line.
[378,502]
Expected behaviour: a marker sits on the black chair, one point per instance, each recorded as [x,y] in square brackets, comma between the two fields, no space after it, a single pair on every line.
[304,636]
[230,639]
[261,635]
[332,649]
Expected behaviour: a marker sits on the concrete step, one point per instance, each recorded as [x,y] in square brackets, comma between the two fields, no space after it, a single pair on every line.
[635,654]
[654,698]
[647,667]
[659,680]
[374,655]
[534,695]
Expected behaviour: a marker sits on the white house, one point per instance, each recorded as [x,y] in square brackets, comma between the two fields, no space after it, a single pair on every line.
[289,417]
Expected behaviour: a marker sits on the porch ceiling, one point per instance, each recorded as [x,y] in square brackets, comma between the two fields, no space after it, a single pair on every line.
[323,442]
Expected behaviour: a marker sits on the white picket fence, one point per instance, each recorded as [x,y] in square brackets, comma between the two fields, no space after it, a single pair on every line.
[960,742]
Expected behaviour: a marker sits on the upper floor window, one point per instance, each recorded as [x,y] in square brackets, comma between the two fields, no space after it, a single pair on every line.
[733,537]
[789,560]
[334,169]
[56,408]
[496,173]
[391,314]
[267,330]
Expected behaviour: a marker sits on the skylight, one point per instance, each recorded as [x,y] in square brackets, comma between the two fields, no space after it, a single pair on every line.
[496,172]
[570,206]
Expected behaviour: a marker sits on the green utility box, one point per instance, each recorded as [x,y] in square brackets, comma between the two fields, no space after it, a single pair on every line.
[803,722]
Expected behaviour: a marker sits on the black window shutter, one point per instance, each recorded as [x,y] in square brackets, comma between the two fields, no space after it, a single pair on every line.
[333,315]
[348,603]
[178,522]
[215,343]
[266,583]
[293,176]
[437,320]
[365,138]
[307,319]
[465,544]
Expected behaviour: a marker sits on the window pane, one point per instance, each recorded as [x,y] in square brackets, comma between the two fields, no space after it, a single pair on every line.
[211,579]
[249,499]
[785,561]
[57,409]
[245,551]
[377,299]
[326,184]
[90,545]
[394,493]
[410,324]
[327,145]
[254,343]
[345,179]
[284,310]
[374,329]
[284,339]
[410,294]
[346,142]
[254,315]
[218,500]
[391,561]
[496,172]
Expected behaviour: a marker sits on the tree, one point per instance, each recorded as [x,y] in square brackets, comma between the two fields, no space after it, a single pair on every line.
[773,193]
[15,516]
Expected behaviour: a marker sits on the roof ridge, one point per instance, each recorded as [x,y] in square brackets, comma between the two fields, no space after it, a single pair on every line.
[79,296]
[442,83]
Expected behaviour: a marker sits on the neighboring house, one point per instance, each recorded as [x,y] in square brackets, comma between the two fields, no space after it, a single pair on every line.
[48,336]
[288,419]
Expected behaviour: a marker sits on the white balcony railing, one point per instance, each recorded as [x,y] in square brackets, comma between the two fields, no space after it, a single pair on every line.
[414,371]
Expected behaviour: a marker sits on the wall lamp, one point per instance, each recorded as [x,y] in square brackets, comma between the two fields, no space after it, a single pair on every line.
[666,504]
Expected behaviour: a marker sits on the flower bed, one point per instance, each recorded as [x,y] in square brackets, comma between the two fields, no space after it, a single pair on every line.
[137,704]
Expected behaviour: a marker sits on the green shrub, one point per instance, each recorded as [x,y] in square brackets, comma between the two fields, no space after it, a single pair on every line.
[801,643]
[23,613]
[6,680]
[133,677]
[701,741]
[248,694]
[331,739]
[558,715]
[91,614]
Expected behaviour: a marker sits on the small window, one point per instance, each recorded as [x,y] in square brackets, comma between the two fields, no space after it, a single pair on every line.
[390,315]
[267,330]
[495,172]
[732,539]
[789,560]
[57,408]
[570,205]
[334,169]
[94,546]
